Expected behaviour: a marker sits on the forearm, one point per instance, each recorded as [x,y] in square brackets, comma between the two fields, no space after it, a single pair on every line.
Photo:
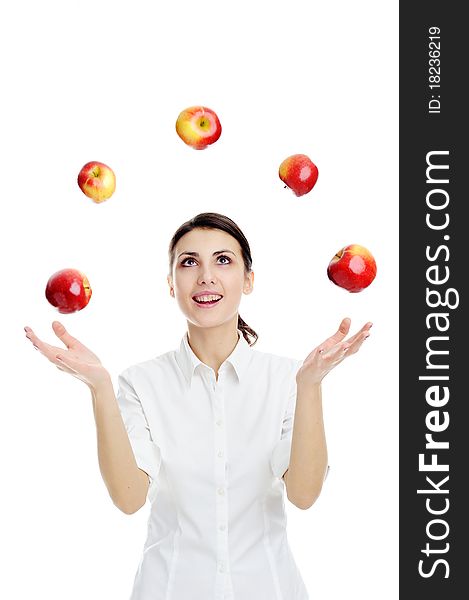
[308,459]
[126,483]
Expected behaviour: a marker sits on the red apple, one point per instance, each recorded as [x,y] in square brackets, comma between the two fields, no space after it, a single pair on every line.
[97,181]
[299,173]
[198,127]
[68,290]
[352,268]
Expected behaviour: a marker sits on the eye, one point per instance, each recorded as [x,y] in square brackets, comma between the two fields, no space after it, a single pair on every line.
[225,260]
[186,261]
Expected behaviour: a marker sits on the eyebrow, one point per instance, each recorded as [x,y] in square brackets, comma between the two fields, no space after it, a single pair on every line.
[214,254]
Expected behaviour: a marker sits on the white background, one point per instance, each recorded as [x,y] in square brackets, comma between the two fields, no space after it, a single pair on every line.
[106,81]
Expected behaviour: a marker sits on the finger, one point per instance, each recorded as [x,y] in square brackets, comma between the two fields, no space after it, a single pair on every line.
[50,352]
[366,327]
[67,362]
[29,332]
[37,343]
[64,369]
[351,344]
[364,330]
[336,354]
[338,336]
[357,342]
[63,334]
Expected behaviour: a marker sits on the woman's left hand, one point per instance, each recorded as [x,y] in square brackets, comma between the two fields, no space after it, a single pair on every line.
[330,353]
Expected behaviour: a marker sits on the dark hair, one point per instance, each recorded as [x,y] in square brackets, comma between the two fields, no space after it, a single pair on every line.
[211,220]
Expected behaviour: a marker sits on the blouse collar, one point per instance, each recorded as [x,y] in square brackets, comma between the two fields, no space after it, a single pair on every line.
[239,358]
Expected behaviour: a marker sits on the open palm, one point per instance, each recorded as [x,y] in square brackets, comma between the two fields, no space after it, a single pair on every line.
[331,352]
[75,358]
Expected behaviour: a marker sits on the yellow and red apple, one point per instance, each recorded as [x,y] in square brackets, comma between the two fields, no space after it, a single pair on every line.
[97,181]
[299,173]
[68,290]
[352,268]
[198,127]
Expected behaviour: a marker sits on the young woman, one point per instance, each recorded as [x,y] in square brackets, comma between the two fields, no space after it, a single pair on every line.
[212,433]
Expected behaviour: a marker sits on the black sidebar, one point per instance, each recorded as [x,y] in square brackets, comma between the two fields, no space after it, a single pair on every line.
[434,323]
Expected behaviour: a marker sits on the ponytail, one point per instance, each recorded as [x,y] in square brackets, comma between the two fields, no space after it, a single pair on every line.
[247,332]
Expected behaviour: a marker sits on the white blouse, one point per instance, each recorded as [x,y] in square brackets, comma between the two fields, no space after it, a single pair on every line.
[215,453]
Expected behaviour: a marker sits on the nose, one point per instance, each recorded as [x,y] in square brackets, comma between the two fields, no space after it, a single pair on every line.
[206,277]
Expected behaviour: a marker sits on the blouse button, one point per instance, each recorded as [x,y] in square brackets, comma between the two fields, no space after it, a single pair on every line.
[222,527]
[219,422]
[220,454]
[221,491]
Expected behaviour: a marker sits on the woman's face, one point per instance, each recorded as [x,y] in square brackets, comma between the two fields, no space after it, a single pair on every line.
[208,277]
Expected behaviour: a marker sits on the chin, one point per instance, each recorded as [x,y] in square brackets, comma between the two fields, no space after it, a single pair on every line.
[212,323]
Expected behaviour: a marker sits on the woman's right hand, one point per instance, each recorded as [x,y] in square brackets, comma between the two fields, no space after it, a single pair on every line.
[75,359]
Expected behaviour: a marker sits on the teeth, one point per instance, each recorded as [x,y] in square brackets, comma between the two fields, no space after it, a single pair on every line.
[210,298]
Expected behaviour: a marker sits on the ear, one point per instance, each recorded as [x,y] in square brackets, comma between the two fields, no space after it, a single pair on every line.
[248,282]
[171,287]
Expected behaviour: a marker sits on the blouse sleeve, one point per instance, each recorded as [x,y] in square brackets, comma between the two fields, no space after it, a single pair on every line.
[280,458]
[147,453]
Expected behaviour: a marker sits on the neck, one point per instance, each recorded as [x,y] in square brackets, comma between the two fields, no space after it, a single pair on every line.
[213,345]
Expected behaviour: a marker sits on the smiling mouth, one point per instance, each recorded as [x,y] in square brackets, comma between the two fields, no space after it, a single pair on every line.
[207,300]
